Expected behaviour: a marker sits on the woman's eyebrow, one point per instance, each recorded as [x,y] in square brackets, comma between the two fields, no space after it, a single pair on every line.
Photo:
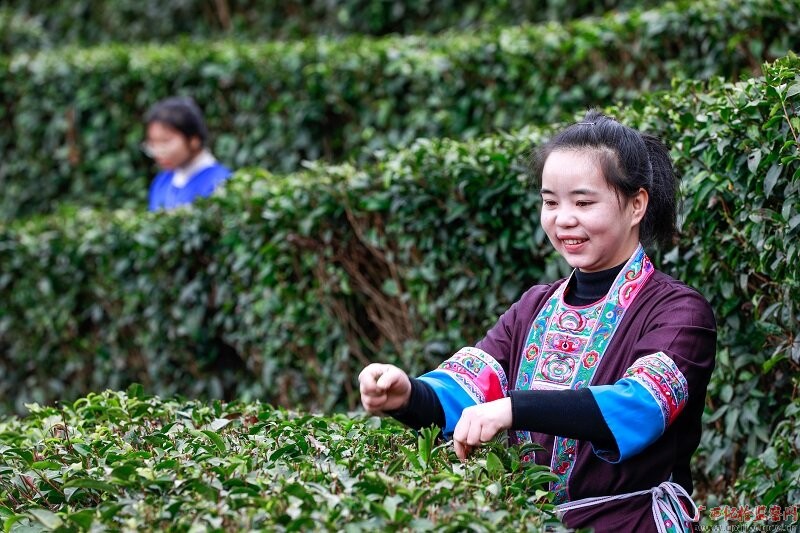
[575,192]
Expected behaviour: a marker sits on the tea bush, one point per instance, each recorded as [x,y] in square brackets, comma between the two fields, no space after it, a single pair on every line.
[739,154]
[19,32]
[70,119]
[93,21]
[129,462]
[282,288]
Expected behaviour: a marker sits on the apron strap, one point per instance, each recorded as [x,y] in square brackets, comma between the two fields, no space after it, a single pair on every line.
[666,506]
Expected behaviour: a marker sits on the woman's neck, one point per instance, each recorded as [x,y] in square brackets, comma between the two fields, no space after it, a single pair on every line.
[184,173]
[588,287]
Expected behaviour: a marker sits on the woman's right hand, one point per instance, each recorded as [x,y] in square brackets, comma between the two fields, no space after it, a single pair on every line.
[383,388]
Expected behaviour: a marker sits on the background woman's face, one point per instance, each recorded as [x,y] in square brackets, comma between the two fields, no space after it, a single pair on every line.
[169,147]
[584,219]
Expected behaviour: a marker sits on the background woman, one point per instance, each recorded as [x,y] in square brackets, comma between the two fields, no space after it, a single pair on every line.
[176,138]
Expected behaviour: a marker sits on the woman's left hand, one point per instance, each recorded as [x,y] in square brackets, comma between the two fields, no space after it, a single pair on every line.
[479,424]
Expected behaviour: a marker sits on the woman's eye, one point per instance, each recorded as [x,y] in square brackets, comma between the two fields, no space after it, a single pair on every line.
[583,204]
[549,203]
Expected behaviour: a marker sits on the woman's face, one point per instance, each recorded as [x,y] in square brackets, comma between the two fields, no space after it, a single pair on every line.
[169,147]
[583,218]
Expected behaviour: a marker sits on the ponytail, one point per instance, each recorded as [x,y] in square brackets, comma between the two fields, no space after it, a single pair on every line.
[658,224]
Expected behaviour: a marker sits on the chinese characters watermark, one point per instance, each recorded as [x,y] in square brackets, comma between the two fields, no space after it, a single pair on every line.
[744,518]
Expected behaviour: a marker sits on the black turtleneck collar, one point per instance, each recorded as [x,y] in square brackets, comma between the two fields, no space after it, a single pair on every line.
[588,287]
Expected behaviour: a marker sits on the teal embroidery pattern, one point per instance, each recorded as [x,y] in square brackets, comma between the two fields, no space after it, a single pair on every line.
[566,345]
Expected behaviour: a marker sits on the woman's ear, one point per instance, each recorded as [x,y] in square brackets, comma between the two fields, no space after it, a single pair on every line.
[195,144]
[638,203]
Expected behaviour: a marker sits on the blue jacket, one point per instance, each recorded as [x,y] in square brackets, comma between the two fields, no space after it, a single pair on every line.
[164,195]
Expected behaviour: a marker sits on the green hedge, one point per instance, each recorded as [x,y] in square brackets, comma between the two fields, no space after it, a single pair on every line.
[19,32]
[739,153]
[70,120]
[95,21]
[268,276]
[282,288]
[127,462]
[772,476]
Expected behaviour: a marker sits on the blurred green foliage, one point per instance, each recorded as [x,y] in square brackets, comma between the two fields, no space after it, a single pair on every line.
[70,120]
[30,24]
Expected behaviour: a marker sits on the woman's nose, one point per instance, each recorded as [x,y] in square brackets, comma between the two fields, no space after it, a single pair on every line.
[565,218]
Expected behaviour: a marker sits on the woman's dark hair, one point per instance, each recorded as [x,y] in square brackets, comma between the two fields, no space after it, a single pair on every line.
[629,160]
[180,113]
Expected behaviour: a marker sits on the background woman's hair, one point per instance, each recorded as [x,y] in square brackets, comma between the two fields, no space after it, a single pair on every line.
[180,113]
[629,160]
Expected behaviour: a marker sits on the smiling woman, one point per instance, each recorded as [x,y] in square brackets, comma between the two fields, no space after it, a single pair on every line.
[583,215]
[176,140]
[606,369]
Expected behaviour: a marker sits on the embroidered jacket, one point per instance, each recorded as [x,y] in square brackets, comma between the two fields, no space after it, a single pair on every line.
[646,353]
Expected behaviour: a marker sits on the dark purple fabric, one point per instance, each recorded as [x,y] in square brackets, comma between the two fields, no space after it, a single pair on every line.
[666,316]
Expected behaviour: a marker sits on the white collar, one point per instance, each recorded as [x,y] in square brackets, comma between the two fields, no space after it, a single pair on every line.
[184,174]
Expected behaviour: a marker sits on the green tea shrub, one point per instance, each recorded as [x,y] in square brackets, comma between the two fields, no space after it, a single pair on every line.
[70,120]
[125,461]
[95,21]
[282,288]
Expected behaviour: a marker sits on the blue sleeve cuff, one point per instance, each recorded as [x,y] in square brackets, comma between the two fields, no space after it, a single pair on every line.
[634,417]
[452,396]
